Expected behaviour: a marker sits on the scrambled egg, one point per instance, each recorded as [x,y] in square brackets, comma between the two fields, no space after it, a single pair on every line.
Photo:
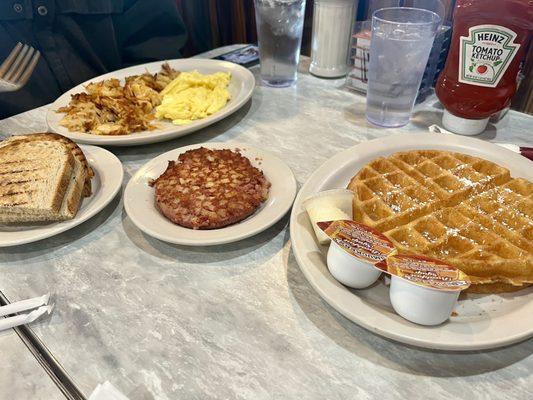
[193,96]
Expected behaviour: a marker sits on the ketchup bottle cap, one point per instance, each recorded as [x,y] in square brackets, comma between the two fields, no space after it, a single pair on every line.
[463,126]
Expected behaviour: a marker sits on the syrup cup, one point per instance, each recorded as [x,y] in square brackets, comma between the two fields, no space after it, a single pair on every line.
[423,290]
[419,304]
[349,270]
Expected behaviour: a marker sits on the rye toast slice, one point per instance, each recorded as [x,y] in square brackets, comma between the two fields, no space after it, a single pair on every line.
[72,146]
[69,206]
[75,191]
[34,178]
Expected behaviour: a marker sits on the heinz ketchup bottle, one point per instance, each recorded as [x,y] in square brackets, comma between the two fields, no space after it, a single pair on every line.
[489,41]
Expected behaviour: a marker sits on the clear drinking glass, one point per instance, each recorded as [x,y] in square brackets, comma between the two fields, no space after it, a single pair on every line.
[279,32]
[402,38]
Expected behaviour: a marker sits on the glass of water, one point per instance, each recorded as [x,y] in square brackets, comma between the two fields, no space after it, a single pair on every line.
[279,32]
[402,38]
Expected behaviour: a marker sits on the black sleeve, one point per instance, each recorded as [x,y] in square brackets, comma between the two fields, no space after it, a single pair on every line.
[149,30]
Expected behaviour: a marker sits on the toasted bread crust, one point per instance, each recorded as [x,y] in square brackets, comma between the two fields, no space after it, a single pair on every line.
[22,174]
[73,147]
[64,174]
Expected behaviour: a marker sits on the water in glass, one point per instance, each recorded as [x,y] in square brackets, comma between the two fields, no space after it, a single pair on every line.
[279,31]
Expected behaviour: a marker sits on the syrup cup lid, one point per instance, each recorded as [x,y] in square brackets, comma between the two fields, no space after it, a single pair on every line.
[426,272]
[361,241]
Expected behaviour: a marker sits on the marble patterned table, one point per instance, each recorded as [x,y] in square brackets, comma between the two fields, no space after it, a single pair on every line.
[21,376]
[238,321]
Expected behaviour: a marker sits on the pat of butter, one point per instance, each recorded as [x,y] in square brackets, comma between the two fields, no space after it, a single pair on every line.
[320,214]
[330,205]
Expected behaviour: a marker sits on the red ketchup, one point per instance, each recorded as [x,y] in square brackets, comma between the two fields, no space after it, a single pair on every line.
[489,41]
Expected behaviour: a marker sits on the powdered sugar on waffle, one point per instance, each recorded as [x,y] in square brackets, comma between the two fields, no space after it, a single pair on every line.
[464,209]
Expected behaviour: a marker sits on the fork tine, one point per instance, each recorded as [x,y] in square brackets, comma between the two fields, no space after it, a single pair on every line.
[9,60]
[16,64]
[23,64]
[31,66]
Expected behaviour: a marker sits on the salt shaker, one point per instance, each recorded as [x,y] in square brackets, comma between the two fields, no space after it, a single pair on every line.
[332,28]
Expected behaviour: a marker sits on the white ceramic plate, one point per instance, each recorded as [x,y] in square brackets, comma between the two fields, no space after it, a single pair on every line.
[241,88]
[107,181]
[140,206]
[483,321]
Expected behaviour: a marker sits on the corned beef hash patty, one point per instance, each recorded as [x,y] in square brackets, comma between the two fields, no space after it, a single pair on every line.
[209,189]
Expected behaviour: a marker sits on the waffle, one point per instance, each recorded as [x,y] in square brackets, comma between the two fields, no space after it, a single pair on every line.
[464,210]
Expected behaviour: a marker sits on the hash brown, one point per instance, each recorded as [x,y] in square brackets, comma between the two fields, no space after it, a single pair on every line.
[210,189]
[109,108]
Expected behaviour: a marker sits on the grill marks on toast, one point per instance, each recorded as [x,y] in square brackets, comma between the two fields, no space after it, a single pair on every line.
[18,204]
[27,170]
[43,191]
[19,161]
[43,177]
[9,183]
[72,146]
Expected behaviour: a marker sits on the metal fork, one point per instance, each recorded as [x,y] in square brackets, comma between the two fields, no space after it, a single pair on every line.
[18,67]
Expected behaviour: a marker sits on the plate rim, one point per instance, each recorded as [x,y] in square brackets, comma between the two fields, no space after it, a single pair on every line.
[69,224]
[156,137]
[321,174]
[212,242]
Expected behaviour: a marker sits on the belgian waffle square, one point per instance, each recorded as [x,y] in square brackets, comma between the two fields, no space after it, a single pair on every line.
[461,209]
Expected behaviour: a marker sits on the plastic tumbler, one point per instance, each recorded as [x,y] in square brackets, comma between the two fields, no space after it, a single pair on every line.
[401,41]
[279,32]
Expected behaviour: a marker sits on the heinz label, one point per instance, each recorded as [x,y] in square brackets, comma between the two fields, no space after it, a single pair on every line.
[485,54]
[361,241]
